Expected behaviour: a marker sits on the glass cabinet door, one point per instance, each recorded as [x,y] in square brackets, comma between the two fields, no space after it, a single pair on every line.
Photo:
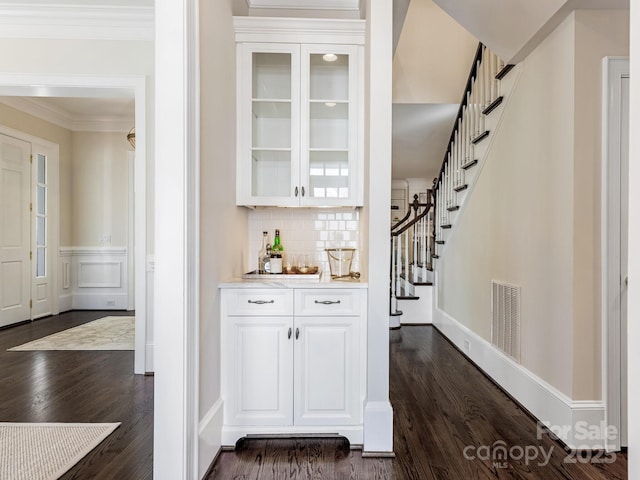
[274,144]
[327,112]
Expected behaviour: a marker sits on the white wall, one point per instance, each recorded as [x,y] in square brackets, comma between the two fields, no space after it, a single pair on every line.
[223,226]
[531,218]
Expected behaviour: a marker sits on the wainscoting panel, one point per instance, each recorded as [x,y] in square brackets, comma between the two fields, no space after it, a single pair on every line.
[93,278]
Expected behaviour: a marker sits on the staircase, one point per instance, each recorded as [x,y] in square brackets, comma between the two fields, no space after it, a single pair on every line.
[419,239]
[411,269]
[478,118]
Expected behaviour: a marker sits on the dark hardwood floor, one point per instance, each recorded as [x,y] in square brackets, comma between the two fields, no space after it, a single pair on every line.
[80,386]
[443,407]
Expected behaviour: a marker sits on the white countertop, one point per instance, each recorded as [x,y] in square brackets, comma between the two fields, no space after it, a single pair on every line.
[289,283]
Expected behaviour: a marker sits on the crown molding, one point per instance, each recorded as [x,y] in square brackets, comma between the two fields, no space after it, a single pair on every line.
[299,30]
[351,5]
[62,118]
[75,22]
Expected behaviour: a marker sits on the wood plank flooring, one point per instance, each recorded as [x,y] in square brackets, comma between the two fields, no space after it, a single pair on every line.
[442,406]
[80,386]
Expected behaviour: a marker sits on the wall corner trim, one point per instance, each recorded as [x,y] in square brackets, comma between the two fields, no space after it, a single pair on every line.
[571,418]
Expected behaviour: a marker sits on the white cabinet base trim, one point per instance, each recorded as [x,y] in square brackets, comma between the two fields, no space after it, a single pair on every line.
[553,408]
[231,434]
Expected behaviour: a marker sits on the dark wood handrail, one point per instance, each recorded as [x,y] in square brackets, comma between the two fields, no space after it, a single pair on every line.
[415,204]
[463,103]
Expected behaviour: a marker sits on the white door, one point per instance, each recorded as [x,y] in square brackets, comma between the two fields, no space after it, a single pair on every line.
[624,237]
[327,377]
[259,352]
[15,242]
[41,278]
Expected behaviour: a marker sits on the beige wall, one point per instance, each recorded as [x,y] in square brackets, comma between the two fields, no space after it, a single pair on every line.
[532,218]
[598,34]
[100,186]
[12,118]
[439,77]
[93,179]
[223,226]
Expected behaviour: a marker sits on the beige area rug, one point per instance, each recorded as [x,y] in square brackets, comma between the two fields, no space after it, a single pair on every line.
[107,333]
[45,451]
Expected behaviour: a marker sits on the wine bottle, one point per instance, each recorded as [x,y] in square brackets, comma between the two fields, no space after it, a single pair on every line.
[267,259]
[262,254]
[277,245]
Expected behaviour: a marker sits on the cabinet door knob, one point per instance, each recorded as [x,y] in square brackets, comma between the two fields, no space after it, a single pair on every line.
[327,302]
[297,333]
[296,191]
[261,302]
[289,334]
[302,191]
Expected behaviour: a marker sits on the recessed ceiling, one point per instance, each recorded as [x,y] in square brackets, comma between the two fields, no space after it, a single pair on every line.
[79,113]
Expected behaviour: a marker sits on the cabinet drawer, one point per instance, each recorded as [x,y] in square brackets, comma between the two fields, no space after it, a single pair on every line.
[326,302]
[258,301]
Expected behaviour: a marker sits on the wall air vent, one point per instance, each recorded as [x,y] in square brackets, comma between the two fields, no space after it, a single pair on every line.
[505,318]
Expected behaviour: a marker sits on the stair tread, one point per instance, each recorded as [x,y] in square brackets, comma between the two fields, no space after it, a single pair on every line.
[504,71]
[492,106]
[470,164]
[480,137]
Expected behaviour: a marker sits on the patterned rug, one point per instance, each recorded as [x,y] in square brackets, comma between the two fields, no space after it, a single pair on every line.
[45,451]
[107,333]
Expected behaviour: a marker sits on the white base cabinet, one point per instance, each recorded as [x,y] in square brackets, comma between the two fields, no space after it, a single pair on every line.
[296,373]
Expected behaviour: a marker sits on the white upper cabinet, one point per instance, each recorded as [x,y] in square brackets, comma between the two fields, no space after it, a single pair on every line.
[300,113]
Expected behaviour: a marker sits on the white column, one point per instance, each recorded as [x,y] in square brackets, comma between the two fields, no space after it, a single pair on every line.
[378,413]
[633,295]
[176,241]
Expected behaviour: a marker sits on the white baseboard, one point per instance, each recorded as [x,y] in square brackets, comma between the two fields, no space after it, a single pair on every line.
[378,427]
[100,301]
[210,437]
[568,419]
[65,303]
[149,355]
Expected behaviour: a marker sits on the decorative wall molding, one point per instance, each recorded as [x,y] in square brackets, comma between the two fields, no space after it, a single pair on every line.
[353,5]
[550,406]
[74,22]
[75,251]
[93,278]
[299,30]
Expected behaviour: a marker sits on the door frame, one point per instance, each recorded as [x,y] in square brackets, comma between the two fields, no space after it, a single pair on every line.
[54,216]
[614,69]
[50,85]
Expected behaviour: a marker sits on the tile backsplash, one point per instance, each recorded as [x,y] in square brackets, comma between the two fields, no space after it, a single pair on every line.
[306,230]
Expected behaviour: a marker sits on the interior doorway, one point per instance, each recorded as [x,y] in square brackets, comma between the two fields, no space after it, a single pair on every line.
[108,87]
[615,216]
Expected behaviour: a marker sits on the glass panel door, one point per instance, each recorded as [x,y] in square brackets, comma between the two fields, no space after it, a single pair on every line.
[41,216]
[328,112]
[271,131]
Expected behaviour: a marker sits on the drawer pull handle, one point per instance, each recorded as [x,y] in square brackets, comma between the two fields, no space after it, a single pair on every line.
[261,302]
[289,334]
[327,302]
[297,333]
